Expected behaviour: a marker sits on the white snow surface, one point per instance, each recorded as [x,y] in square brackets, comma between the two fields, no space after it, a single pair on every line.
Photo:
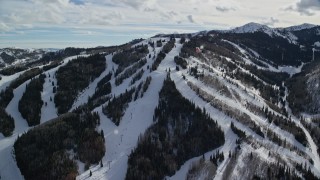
[48,110]
[291,70]
[6,80]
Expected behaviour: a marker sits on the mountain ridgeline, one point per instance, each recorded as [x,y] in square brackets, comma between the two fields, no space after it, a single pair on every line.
[234,104]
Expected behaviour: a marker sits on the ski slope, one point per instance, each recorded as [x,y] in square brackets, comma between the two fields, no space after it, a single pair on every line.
[121,140]
[8,167]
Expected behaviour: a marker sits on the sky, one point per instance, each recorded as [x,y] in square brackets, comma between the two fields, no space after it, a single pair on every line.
[90,23]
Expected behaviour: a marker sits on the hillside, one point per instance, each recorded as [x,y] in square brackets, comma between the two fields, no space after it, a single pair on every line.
[238,104]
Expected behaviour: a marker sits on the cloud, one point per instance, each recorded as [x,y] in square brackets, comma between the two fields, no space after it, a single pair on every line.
[57,13]
[18,13]
[136,4]
[4,27]
[190,18]
[271,22]
[172,13]
[169,15]
[309,4]
[224,9]
[305,12]
[85,32]
[148,9]
[305,7]
[78,2]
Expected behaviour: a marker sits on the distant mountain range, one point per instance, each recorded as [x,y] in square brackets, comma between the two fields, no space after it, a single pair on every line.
[15,56]
[254,27]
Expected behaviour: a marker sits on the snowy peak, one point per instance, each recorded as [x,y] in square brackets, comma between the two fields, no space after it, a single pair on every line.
[251,28]
[254,27]
[288,33]
[300,27]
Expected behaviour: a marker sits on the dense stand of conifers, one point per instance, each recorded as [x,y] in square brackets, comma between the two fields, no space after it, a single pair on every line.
[49,151]
[31,102]
[75,76]
[180,131]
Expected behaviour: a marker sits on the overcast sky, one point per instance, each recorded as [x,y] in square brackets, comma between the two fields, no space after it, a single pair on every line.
[87,23]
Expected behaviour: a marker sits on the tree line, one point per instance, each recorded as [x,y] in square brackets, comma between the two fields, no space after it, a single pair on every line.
[7,125]
[74,77]
[49,151]
[31,102]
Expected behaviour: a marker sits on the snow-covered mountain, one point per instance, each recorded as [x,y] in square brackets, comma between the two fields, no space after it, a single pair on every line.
[300,27]
[251,28]
[255,27]
[210,105]
[289,33]
[16,56]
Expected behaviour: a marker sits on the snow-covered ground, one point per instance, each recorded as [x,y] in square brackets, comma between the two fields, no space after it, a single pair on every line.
[89,91]
[223,120]
[6,80]
[312,151]
[49,110]
[122,139]
[253,27]
[289,138]
[8,167]
[228,146]
[291,70]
